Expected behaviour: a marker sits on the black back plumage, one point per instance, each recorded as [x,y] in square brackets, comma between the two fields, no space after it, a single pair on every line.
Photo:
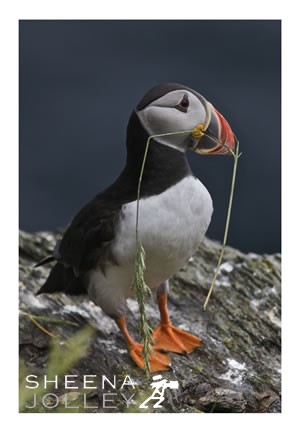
[87,242]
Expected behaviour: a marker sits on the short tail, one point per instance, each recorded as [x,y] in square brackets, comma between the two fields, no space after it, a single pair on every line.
[44,261]
[54,257]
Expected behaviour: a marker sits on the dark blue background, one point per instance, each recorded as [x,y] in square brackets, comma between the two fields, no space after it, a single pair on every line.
[80,80]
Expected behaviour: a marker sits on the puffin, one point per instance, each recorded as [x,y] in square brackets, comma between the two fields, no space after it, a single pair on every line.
[96,254]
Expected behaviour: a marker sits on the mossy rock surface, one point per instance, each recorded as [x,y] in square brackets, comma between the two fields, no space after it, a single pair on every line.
[237,370]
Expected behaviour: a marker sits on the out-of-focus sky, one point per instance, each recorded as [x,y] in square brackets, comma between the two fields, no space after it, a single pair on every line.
[80,80]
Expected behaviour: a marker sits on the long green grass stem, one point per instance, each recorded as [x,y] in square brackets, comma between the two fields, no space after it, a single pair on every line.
[138,283]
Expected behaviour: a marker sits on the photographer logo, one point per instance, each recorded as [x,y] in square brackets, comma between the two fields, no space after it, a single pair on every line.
[159,386]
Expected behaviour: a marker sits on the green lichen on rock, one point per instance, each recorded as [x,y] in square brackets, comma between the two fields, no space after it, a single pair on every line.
[237,370]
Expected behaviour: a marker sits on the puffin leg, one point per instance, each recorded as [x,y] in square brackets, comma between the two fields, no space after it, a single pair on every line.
[168,337]
[159,361]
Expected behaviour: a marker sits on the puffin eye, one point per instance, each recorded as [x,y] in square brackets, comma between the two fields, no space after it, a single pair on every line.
[183,105]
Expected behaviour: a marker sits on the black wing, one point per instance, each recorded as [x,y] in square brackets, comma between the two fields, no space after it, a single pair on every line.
[87,241]
[85,244]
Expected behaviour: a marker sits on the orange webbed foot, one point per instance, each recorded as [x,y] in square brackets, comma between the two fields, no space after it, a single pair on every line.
[158,361]
[168,337]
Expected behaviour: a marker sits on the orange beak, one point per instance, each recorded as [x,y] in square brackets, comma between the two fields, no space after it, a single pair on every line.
[216,136]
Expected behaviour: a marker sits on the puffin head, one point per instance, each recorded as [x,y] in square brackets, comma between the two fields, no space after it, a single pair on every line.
[171,107]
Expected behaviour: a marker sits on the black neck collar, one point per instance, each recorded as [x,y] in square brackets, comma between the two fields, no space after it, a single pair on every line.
[164,167]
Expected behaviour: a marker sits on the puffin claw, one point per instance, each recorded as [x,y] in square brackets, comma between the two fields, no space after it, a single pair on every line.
[171,368]
[163,351]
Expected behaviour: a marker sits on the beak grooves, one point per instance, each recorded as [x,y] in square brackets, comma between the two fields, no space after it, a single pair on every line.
[216,136]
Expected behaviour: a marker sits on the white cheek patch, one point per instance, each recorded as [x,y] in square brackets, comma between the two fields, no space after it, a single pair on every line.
[161,117]
[159,120]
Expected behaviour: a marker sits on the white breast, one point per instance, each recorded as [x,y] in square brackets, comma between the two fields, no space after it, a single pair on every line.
[171,227]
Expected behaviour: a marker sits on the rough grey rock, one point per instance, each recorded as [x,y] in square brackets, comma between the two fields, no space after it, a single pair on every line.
[237,369]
